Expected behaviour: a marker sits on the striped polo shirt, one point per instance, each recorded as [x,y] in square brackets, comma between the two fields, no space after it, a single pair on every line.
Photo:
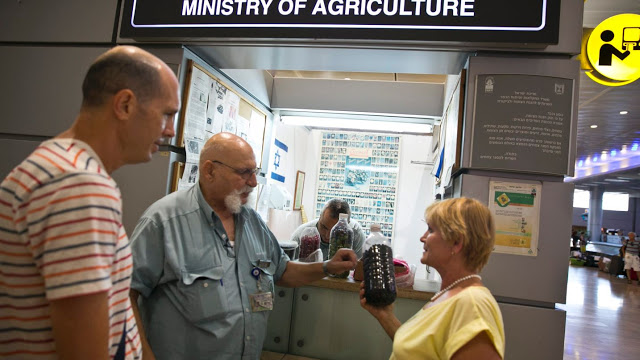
[61,235]
[633,247]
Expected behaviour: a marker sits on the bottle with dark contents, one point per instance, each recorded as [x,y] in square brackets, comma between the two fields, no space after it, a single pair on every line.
[379,274]
[341,237]
[309,243]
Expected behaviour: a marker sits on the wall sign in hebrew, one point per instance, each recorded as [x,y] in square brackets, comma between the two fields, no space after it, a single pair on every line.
[522,123]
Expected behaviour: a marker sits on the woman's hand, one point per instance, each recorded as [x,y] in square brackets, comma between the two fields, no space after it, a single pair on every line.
[377,311]
[384,314]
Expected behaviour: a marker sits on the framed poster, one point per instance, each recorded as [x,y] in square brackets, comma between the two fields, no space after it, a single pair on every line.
[210,106]
[297,197]
[516,211]
[363,169]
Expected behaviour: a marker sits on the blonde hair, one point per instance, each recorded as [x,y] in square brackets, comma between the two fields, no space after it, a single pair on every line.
[469,221]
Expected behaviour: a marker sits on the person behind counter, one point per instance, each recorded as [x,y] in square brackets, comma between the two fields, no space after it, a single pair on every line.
[205,264]
[462,321]
[328,219]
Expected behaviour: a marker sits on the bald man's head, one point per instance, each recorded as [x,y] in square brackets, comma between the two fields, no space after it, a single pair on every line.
[225,146]
[123,67]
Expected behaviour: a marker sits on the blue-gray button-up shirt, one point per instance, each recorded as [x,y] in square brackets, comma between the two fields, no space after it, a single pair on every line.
[195,287]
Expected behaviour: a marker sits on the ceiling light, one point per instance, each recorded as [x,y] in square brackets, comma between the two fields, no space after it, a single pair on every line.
[355,124]
[347,78]
[624,112]
[594,126]
[616,180]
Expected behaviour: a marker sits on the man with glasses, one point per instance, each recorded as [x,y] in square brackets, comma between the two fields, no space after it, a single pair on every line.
[206,265]
[328,218]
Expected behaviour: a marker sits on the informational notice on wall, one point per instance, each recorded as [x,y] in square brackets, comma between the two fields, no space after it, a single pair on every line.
[522,123]
[516,211]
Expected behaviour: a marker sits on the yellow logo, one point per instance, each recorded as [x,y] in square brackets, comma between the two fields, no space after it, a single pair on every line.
[613,50]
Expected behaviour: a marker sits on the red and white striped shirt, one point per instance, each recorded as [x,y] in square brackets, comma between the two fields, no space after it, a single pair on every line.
[61,235]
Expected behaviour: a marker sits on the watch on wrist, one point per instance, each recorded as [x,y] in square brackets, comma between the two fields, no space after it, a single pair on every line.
[324,268]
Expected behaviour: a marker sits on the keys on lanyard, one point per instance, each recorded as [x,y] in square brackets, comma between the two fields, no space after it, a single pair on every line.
[263,299]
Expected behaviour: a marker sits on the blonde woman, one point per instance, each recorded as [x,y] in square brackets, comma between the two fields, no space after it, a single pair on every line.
[462,320]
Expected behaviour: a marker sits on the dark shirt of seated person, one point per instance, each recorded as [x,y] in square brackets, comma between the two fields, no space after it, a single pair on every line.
[327,220]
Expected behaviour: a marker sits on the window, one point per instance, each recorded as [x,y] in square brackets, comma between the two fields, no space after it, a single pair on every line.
[610,200]
[615,201]
[581,198]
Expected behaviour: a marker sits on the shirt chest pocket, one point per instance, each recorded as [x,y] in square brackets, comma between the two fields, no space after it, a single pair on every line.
[203,294]
[265,280]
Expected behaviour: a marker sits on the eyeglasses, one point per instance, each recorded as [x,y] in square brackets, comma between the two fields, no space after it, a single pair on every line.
[244,173]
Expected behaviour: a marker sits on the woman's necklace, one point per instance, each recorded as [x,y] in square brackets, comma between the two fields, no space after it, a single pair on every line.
[454,284]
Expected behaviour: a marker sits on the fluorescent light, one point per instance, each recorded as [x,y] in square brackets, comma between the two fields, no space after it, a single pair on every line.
[594,126]
[624,112]
[363,125]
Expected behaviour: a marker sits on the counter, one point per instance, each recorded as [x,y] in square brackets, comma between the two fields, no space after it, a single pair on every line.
[324,320]
[354,286]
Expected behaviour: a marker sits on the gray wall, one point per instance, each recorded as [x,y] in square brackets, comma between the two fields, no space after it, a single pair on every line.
[624,220]
[41,87]
[62,21]
[358,96]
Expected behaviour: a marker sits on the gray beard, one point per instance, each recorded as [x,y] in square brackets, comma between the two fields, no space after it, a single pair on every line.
[233,201]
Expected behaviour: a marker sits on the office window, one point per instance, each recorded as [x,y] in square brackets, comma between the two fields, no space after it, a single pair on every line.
[613,201]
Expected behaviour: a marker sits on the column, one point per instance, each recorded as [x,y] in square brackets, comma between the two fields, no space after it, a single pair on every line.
[595,212]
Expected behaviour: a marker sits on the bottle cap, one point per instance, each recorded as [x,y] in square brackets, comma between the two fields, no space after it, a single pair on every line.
[375,227]
[343,216]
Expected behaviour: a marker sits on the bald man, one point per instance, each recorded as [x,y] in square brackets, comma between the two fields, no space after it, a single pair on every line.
[205,264]
[66,261]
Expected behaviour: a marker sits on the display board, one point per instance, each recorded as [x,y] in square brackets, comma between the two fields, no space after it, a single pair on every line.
[209,106]
[363,169]
[522,123]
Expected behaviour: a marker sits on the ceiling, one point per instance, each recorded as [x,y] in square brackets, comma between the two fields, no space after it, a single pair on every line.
[601,105]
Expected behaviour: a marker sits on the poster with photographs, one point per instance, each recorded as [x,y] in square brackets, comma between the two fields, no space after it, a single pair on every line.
[361,168]
[211,107]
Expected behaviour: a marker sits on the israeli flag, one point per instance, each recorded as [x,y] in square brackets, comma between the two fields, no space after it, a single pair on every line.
[279,161]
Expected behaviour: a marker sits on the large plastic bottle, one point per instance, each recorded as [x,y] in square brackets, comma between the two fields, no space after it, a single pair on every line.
[379,274]
[341,236]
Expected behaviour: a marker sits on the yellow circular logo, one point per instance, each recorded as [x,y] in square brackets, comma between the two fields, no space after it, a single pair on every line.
[613,49]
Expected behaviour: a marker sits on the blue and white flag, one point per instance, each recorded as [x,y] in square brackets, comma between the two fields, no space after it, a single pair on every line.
[279,161]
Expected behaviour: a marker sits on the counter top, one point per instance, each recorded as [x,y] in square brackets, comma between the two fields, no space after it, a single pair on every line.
[354,286]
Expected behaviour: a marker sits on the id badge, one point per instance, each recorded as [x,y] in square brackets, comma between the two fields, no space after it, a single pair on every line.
[261,301]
